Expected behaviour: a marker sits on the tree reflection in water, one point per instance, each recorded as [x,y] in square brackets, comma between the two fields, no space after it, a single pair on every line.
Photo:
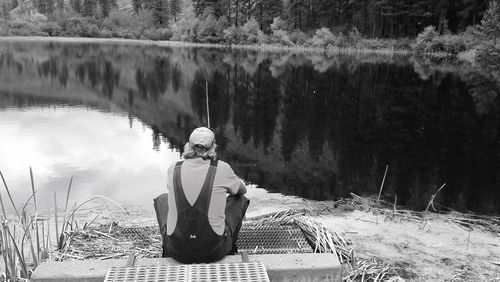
[308,125]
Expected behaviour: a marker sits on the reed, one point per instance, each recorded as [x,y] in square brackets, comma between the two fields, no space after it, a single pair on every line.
[17,264]
[431,201]
[382,185]
[67,231]
[60,237]
[33,231]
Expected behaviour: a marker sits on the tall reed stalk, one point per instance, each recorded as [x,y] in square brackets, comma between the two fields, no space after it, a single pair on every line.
[17,264]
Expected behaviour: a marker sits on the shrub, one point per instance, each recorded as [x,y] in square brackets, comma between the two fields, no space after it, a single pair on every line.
[453,44]
[251,33]
[298,37]
[24,28]
[80,26]
[472,37]
[52,29]
[158,34]
[105,33]
[429,41]
[221,25]
[186,28]
[278,24]
[207,31]
[279,34]
[322,38]
[3,30]
[280,37]
[424,39]
[489,55]
[125,20]
[353,38]
[399,44]
[232,35]
[117,19]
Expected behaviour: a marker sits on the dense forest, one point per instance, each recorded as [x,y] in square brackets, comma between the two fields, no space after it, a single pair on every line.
[311,23]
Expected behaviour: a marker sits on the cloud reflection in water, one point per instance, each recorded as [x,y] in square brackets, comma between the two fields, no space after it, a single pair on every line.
[104,154]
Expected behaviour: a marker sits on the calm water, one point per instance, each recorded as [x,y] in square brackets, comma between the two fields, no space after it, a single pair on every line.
[116,116]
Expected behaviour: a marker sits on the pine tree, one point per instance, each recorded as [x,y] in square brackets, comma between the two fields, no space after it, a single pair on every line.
[490,24]
[136,5]
[105,7]
[40,6]
[5,10]
[175,8]
[265,11]
[60,5]
[201,5]
[76,5]
[49,7]
[160,12]
[89,8]
[297,12]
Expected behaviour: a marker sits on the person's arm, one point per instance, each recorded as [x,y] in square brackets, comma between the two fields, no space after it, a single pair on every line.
[242,190]
[226,177]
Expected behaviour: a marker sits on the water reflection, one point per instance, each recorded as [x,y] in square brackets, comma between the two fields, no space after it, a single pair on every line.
[93,146]
[313,126]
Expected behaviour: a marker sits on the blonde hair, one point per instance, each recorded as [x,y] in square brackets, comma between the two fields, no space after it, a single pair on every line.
[192,152]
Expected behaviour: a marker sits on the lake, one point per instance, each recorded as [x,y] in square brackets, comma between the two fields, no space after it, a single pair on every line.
[298,126]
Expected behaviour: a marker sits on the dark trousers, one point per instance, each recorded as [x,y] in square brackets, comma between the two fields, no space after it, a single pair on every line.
[236,207]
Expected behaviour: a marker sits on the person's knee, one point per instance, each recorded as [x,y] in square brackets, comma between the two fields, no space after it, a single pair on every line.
[160,204]
[161,198]
[240,198]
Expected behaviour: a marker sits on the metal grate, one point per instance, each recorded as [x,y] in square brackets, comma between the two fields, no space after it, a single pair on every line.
[253,271]
[272,239]
[139,233]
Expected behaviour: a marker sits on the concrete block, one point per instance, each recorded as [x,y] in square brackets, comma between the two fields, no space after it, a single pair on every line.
[280,267]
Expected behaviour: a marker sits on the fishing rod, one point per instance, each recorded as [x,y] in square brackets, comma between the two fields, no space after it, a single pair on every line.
[208,109]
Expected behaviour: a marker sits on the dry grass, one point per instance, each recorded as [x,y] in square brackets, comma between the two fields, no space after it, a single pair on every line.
[110,241]
[323,240]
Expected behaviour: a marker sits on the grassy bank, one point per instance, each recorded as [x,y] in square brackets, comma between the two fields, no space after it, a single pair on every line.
[253,47]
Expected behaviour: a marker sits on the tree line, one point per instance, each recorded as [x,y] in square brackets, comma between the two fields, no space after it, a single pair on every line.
[372,18]
[308,23]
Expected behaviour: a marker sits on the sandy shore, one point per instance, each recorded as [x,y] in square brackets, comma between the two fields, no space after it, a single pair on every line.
[440,251]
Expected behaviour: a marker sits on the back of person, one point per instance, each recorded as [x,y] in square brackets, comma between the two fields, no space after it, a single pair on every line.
[199,224]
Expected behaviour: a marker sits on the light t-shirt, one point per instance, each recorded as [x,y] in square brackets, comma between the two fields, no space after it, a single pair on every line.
[193,174]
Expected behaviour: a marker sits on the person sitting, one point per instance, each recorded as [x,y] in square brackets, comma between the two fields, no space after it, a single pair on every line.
[198,223]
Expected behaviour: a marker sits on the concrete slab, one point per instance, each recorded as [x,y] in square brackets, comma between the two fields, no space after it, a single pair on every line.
[280,267]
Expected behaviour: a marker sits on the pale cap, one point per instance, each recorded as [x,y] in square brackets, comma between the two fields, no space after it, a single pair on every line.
[202,136]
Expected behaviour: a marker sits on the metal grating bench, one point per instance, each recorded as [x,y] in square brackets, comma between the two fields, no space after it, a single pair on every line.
[223,272]
[272,239]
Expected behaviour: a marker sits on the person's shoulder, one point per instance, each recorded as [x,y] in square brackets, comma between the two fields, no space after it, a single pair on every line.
[172,165]
[223,165]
